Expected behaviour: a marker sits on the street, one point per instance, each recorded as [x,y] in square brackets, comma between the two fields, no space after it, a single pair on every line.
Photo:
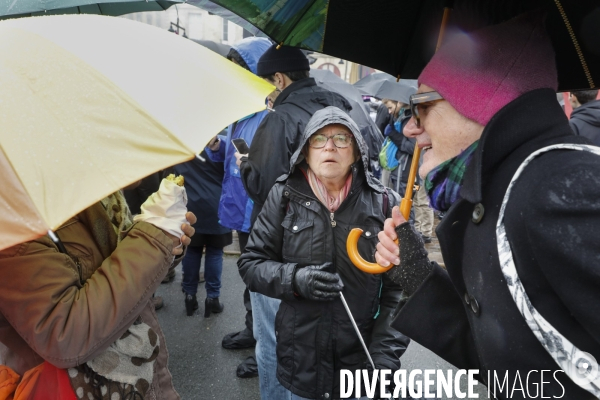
[203,370]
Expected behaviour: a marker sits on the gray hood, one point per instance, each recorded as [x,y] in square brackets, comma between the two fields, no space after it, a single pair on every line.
[327,116]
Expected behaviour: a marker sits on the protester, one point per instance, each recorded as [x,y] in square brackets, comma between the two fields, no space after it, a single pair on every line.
[423,214]
[203,179]
[86,298]
[235,208]
[277,138]
[297,253]
[466,313]
[406,146]
[585,118]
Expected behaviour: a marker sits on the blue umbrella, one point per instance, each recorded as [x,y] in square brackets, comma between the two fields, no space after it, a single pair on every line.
[28,8]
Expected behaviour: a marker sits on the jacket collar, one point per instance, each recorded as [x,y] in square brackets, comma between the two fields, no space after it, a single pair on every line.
[302,83]
[534,116]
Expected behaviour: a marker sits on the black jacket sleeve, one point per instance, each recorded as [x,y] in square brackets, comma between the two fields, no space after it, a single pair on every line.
[260,266]
[403,143]
[387,344]
[435,317]
[269,158]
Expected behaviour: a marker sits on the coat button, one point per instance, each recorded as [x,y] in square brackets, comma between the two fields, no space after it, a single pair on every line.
[286,193]
[326,395]
[474,306]
[367,233]
[308,203]
[478,212]
[467,299]
[295,228]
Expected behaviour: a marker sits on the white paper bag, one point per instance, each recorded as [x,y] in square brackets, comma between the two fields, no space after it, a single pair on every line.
[166,208]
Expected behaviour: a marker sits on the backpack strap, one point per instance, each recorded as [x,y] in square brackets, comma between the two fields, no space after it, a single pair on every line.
[564,353]
[386,202]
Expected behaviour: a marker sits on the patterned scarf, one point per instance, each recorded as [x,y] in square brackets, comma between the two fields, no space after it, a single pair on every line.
[332,203]
[444,181]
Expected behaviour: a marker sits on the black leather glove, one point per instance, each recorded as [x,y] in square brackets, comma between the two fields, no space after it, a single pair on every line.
[316,283]
[414,264]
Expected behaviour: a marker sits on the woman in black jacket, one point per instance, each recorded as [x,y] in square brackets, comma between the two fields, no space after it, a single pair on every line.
[520,299]
[297,253]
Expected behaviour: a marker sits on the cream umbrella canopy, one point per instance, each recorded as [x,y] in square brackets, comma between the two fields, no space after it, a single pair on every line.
[90,104]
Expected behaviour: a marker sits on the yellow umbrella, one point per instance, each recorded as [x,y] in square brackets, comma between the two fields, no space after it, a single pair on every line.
[89,104]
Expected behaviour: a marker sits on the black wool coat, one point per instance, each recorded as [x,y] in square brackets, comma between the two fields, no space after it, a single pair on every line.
[466,314]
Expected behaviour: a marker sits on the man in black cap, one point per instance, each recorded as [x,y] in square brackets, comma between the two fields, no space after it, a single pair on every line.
[276,139]
[278,135]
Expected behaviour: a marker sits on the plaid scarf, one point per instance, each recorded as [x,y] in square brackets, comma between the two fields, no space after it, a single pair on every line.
[443,183]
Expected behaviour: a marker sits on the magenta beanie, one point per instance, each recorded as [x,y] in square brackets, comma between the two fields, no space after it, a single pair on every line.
[481,72]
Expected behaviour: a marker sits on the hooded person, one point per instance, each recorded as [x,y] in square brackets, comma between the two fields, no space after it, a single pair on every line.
[280,132]
[519,299]
[297,253]
[235,207]
[585,118]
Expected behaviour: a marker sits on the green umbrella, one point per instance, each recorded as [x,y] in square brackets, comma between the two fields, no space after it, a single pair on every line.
[399,36]
[29,8]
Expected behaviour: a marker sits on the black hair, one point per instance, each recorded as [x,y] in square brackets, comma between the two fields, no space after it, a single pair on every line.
[585,96]
[233,55]
[293,75]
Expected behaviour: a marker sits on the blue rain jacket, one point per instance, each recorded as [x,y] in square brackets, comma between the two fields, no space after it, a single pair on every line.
[235,207]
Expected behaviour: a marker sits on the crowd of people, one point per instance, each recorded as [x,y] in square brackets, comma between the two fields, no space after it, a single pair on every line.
[520,290]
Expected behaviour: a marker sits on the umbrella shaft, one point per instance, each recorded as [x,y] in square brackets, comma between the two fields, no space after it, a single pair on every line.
[357,331]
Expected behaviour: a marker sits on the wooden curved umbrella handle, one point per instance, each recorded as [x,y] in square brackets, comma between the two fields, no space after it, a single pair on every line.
[405,206]
[355,257]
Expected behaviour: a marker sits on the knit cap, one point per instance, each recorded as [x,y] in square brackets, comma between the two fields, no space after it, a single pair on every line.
[481,72]
[286,59]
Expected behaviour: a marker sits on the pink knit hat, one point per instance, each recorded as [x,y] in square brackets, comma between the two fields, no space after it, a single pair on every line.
[481,72]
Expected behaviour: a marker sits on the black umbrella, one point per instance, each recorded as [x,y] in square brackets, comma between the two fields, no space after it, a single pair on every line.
[400,36]
[385,86]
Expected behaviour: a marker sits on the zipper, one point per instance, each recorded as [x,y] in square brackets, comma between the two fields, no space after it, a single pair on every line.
[584,65]
[333,223]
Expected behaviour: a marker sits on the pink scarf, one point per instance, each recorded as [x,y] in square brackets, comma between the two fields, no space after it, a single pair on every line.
[332,203]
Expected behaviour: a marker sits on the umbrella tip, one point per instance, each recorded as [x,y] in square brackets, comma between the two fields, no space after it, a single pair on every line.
[279,46]
[398,78]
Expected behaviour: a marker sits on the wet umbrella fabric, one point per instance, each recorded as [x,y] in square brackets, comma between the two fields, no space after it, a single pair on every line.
[32,8]
[84,115]
[400,36]
[384,86]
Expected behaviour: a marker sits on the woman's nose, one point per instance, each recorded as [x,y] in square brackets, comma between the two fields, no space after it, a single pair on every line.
[329,145]
[410,129]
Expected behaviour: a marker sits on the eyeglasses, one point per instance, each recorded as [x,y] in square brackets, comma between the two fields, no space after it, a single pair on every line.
[340,140]
[421,98]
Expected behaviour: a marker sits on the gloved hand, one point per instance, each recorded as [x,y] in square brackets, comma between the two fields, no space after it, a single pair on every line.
[316,283]
[414,264]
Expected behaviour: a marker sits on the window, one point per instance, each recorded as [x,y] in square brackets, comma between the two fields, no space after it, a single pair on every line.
[225,36]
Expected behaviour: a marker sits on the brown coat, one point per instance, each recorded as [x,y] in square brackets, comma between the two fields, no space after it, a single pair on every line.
[54,309]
